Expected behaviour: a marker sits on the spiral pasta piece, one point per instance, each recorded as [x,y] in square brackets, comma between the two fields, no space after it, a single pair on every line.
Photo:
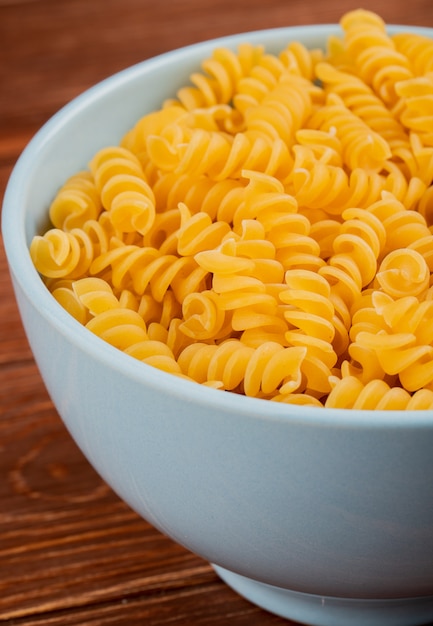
[350,393]
[271,367]
[62,291]
[139,269]
[198,232]
[76,202]
[124,191]
[300,60]
[220,156]
[62,254]
[392,338]
[240,262]
[95,294]
[294,62]
[153,123]
[404,228]
[399,354]
[416,108]
[219,199]
[310,316]
[119,327]
[320,145]
[294,245]
[202,317]
[405,314]
[418,49]
[110,162]
[422,162]
[319,185]
[220,76]
[260,80]
[361,146]
[106,315]
[404,272]
[376,58]
[282,111]
[357,249]
[156,354]
[264,199]
[86,297]
[259,371]
[311,311]
[161,313]
[164,234]
[361,100]
[363,237]
[240,268]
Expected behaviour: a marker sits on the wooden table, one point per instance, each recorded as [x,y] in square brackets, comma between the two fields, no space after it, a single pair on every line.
[70,551]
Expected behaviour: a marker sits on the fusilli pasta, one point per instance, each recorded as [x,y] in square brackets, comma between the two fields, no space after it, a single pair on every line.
[269,230]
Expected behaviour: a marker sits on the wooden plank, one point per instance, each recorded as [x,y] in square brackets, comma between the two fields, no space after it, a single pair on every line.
[201,605]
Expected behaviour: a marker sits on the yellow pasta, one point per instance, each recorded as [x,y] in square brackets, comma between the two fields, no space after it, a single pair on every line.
[125,193]
[62,254]
[269,230]
[220,76]
[76,202]
[375,56]
[416,110]
[198,232]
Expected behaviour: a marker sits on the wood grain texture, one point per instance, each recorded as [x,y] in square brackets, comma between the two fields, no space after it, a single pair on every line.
[71,552]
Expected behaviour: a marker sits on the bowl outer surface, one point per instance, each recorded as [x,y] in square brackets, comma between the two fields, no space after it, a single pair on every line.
[336,503]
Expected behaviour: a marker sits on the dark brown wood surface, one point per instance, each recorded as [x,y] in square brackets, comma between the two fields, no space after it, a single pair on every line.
[71,553]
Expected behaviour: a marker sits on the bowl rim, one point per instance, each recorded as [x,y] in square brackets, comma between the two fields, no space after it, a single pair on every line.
[27,278]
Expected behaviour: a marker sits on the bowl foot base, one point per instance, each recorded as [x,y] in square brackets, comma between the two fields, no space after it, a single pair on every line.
[315,610]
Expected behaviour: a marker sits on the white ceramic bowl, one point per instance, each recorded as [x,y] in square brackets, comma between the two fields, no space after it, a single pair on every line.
[322,516]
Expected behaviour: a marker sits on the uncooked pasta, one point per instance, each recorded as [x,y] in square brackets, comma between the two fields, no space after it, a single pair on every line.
[269,230]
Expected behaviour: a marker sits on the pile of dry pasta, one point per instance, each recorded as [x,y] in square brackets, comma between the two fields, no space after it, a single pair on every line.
[269,231]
